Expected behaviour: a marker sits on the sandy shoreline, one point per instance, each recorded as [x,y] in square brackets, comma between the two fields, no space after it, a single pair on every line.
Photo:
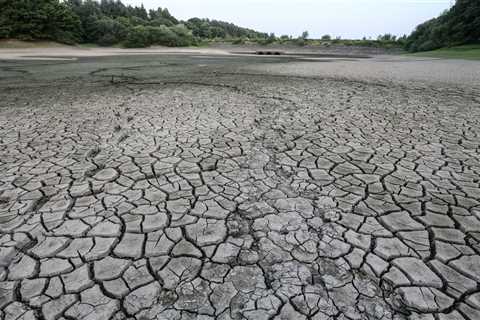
[76,52]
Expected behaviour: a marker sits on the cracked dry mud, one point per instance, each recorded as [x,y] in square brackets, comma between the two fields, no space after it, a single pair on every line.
[197,194]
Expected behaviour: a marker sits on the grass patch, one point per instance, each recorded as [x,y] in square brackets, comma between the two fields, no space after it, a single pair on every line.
[469,52]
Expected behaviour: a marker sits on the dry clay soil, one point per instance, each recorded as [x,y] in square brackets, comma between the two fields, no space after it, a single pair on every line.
[203,186]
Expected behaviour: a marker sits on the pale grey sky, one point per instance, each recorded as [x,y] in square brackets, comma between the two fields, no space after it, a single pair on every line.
[346,18]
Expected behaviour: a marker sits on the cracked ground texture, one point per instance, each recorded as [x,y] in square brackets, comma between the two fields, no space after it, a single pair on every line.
[182,188]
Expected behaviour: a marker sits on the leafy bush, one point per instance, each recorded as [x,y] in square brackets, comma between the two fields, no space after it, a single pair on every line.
[161,35]
[160,22]
[176,36]
[184,36]
[299,42]
[387,37]
[205,28]
[138,37]
[239,41]
[109,31]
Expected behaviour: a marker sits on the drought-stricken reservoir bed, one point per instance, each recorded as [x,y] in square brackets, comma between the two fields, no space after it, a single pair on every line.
[197,186]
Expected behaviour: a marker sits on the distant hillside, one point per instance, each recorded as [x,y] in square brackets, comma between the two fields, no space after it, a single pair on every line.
[457,26]
[107,22]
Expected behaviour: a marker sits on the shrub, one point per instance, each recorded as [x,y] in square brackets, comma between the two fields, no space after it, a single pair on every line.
[176,36]
[138,37]
[161,22]
[238,41]
[300,42]
[161,35]
[109,31]
[184,36]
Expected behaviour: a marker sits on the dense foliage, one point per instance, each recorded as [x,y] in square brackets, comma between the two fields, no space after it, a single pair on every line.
[39,19]
[457,26]
[205,28]
[108,22]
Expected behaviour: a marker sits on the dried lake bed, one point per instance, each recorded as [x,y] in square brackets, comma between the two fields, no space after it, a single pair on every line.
[199,184]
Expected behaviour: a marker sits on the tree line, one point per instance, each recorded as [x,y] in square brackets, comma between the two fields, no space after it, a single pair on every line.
[457,26]
[110,22]
[106,23]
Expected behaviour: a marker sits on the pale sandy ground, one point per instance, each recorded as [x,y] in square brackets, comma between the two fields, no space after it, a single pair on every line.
[76,52]
[395,68]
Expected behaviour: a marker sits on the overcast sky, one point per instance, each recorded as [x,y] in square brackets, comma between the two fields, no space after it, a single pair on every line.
[346,18]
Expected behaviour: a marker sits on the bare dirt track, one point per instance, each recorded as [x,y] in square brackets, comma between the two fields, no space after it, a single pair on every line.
[201,186]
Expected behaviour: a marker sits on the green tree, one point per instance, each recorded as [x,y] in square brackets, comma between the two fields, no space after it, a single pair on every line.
[184,35]
[205,28]
[88,12]
[138,37]
[459,25]
[216,32]
[109,31]
[162,35]
[387,37]
[38,19]
[108,22]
